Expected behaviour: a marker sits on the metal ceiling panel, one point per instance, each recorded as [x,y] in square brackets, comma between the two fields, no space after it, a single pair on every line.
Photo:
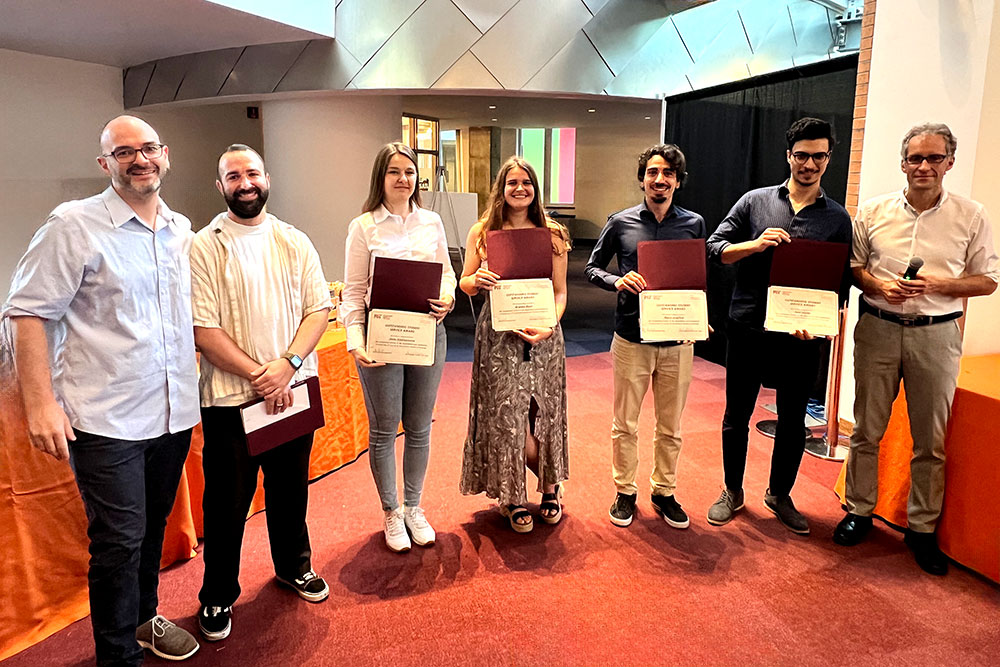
[167,79]
[538,29]
[769,29]
[467,72]
[208,73]
[134,84]
[260,68]
[484,13]
[725,58]
[409,59]
[324,65]
[658,68]
[621,28]
[700,27]
[595,5]
[814,32]
[363,26]
[578,67]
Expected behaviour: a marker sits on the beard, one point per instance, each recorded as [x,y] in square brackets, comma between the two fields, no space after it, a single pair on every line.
[246,209]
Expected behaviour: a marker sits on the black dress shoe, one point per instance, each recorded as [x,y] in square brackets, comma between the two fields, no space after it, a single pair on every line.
[925,551]
[852,529]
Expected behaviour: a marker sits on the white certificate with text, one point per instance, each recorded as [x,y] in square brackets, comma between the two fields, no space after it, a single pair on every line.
[791,309]
[519,304]
[401,337]
[673,314]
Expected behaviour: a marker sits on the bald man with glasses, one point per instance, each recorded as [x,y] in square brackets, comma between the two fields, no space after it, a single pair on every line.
[104,291]
[759,221]
[908,330]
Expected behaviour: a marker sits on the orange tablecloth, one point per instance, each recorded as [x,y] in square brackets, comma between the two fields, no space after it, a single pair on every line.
[969,529]
[43,529]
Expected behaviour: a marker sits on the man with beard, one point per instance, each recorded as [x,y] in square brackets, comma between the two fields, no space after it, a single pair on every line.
[759,221]
[260,307]
[634,364]
[103,292]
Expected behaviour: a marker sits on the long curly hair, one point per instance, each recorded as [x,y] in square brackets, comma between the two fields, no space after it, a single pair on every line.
[496,208]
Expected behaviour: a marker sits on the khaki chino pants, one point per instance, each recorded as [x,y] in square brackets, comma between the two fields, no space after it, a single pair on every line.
[669,369]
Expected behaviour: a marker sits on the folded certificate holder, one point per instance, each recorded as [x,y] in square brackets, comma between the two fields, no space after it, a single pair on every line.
[674,306]
[809,264]
[674,264]
[287,428]
[401,329]
[519,254]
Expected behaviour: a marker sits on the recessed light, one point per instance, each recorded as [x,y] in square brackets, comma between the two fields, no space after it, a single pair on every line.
[493,120]
[591,110]
[493,106]
[648,117]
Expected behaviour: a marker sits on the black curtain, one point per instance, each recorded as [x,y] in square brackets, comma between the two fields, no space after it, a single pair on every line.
[734,141]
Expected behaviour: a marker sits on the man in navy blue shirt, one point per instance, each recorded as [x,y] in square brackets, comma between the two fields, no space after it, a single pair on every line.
[759,221]
[661,172]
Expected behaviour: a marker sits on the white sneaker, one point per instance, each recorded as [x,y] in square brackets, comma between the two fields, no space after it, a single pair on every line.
[421,531]
[395,531]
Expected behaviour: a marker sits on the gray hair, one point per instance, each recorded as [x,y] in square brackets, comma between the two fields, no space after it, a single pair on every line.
[940,129]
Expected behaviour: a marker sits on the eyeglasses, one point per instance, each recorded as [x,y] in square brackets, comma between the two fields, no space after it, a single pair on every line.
[801,157]
[917,160]
[127,154]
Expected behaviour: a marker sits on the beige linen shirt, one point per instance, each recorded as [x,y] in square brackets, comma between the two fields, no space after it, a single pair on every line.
[219,288]
[953,238]
[381,234]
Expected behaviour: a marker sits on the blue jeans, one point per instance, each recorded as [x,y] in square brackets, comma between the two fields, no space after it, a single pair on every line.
[128,489]
[395,393]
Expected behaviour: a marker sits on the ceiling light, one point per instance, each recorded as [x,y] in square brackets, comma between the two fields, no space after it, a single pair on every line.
[591,110]
[648,117]
[493,106]
[493,120]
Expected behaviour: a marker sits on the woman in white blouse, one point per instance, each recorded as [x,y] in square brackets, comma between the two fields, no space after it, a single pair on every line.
[394,225]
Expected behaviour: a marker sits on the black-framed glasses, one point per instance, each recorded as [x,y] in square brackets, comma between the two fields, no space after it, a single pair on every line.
[801,157]
[917,160]
[127,154]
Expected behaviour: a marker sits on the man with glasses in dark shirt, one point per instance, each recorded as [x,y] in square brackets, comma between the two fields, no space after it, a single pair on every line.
[908,328]
[668,365]
[759,221]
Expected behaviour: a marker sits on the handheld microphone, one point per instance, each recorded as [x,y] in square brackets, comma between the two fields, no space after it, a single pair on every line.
[914,266]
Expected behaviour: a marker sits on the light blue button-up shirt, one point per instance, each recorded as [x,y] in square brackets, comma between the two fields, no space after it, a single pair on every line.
[117,299]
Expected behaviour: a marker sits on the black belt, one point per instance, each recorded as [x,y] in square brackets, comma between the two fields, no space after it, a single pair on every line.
[907,320]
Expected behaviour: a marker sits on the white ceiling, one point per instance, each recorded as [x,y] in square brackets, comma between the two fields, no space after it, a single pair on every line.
[121,33]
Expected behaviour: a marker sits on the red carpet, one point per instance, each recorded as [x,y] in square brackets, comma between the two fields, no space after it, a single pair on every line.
[586,592]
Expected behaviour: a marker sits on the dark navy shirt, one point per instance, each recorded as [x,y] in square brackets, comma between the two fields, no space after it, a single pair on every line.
[620,239]
[823,220]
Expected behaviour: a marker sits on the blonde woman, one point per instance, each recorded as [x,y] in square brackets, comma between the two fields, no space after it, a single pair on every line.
[394,225]
[517,412]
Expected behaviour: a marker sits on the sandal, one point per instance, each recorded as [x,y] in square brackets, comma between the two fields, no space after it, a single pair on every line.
[516,514]
[550,510]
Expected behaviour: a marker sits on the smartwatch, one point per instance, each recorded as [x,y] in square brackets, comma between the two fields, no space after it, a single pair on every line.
[294,359]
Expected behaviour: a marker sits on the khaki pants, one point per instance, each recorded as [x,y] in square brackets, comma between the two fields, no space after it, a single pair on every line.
[669,368]
[926,358]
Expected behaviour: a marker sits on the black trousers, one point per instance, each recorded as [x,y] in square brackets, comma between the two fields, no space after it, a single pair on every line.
[790,365]
[128,489]
[230,483]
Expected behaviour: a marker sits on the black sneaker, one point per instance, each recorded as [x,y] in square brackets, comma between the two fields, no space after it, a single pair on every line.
[670,510]
[215,622]
[926,552]
[622,510]
[784,509]
[310,586]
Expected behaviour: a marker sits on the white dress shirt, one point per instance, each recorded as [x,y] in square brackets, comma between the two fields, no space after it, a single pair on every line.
[117,299]
[257,284]
[382,234]
[954,238]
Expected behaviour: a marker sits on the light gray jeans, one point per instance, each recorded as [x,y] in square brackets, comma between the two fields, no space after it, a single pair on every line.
[395,393]
[926,358]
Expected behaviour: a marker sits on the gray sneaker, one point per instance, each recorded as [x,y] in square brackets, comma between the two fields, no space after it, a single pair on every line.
[722,511]
[784,509]
[165,639]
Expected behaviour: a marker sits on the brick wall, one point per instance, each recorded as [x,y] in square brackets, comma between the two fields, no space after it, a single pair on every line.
[860,106]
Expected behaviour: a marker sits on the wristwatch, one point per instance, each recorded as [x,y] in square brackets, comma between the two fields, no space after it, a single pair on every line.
[294,359]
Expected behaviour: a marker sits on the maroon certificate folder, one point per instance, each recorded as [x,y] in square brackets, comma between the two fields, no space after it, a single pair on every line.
[404,284]
[676,264]
[810,264]
[290,427]
[519,254]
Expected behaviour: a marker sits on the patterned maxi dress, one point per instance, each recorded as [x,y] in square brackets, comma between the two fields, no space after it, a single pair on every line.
[505,377]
